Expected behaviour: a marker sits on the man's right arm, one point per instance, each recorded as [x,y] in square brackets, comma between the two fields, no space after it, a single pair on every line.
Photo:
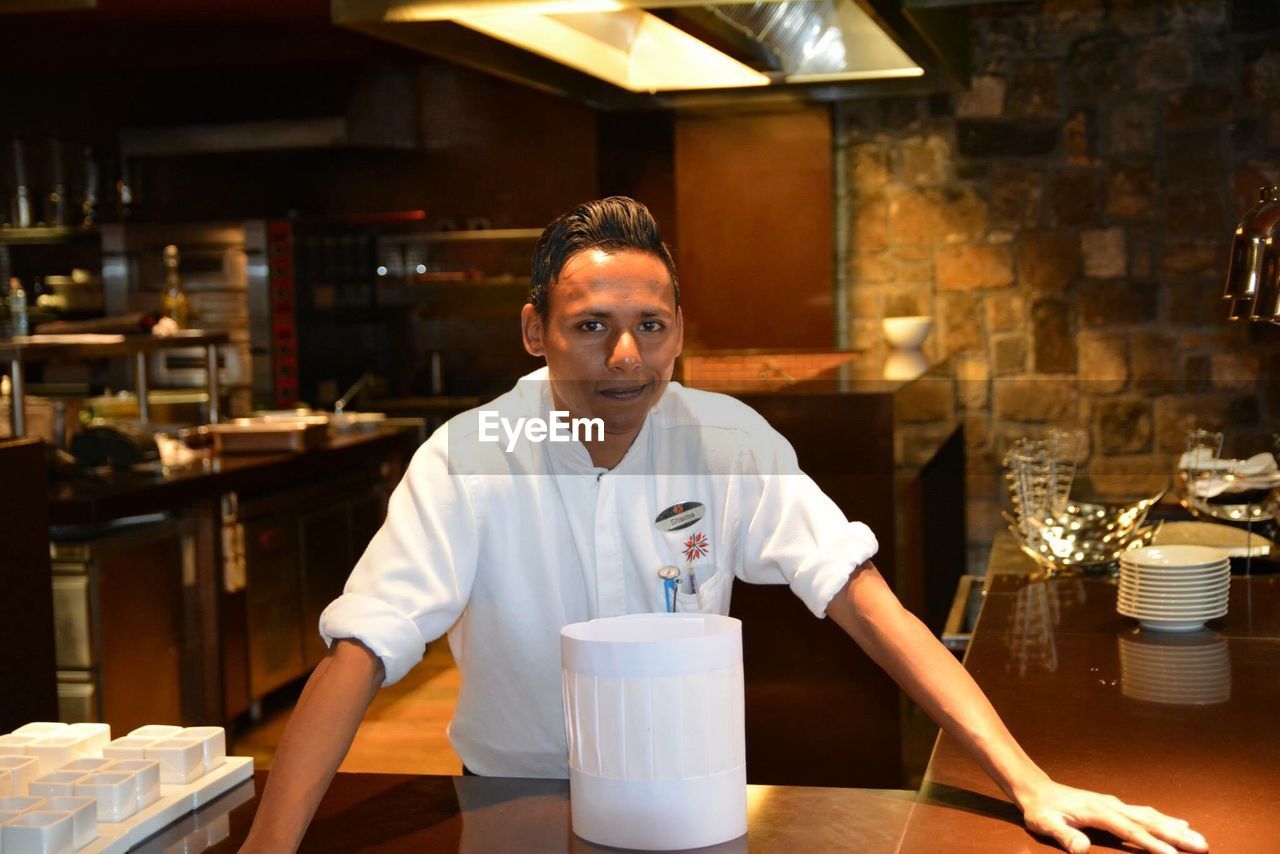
[317,737]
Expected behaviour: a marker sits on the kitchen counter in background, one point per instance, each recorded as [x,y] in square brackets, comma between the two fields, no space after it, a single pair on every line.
[231,560]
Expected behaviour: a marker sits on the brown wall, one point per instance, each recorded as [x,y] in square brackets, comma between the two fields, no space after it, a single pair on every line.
[753,201]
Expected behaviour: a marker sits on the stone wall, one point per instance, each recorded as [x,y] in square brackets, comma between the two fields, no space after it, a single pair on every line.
[1066,222]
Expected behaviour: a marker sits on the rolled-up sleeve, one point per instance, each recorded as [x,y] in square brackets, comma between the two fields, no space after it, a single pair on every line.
[413,581]
[792,532]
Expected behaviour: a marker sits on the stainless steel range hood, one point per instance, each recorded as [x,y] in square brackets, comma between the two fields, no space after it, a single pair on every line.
[628,54]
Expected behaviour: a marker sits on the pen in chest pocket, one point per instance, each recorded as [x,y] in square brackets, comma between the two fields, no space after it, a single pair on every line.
[670,576]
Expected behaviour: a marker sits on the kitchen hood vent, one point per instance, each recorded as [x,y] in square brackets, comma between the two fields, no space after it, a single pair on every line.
[631,54]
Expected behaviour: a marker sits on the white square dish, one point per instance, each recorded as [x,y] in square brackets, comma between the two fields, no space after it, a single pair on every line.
[181,759]
[156,731]
[59,784]
[54,751]
[129,747]
[97,734]
[20,770]
[146,773]
[39,729]
[19,804]
[84,817]
[213,740]
[116,794]
[39,833]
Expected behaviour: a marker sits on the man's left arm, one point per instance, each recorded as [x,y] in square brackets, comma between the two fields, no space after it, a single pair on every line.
[872,615]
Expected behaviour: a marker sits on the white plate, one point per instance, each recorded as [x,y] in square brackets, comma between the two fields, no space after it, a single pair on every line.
[1180,556]
[1174,571]
[1176,584]
[1230,539]
[1172,625]
[1148,614]
[1177,608]
[1174,597]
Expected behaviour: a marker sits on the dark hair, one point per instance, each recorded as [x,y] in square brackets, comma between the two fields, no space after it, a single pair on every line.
[615,224]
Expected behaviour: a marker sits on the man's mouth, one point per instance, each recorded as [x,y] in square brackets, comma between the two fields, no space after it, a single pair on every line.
[624,393]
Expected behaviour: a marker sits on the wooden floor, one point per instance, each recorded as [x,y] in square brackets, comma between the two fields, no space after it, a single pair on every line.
[403,731]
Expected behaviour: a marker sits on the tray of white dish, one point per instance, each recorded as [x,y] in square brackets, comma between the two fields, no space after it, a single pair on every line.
[69,787]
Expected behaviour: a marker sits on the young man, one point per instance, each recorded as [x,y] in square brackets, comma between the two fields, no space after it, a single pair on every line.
[500,536]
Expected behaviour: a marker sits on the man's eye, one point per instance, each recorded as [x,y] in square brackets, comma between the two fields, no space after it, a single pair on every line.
[591,326]
[652,326]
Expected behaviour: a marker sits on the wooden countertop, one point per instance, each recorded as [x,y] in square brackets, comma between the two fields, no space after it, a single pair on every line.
[99,499]
[396,812]
[1081,687]
[1058,663]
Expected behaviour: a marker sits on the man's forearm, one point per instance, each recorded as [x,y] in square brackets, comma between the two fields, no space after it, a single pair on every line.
[318,735]
[868,610]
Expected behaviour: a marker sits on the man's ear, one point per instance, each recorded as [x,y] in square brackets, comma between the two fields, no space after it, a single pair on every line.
[531,330]
[679,330]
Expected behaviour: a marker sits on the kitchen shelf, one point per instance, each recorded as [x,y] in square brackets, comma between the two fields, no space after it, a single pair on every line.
[478,234]
[45,235]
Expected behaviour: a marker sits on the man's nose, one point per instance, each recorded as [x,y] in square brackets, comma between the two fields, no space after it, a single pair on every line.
[625,355]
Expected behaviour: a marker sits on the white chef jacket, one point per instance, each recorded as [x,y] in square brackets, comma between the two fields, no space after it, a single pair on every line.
[502,549]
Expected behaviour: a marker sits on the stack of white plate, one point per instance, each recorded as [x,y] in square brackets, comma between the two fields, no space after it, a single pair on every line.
[1174,588]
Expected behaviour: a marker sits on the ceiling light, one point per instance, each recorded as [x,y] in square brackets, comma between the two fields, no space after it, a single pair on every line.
[629,48]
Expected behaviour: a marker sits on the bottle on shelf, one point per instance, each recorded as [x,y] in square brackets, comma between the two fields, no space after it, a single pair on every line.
[17,308]
[21,193]
[56,203]
[175,301]
[89,204]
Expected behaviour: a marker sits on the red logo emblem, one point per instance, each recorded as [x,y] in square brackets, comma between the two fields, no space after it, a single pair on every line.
[695,547]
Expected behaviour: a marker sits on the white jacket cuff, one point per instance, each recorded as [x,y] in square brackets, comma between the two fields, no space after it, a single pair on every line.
[829,570]
[387,633]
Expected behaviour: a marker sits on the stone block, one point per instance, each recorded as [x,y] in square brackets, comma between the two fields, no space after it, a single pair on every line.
[1131,191]
[1262,80]
[982,520]
[1009,354]
[1163,64]
[1195,303]
[1199,105]
[1064,22]
[984,98]
[1177,415]
[974,266]
[1153,362]
[1076,197]
[1054,350]
[907,303]
[1006,310]
[929,216]
[870,269]
[1016,196]
[1132,129]
[973,384]
[1048,261]
[1195,373]
[1235,371]
[997,138]
[1077,139]
[1033,91]
[1124,426]
[1103,361]
[1104,253]
[870,223]
[1115,302]
[926,400]
[960,322]
[1036,400]
[1127,477]
[1193,259]
[1194,159]
[1142,250]
[1198,15]
[1096,69]
[870,166]
[1196,214]
[866,302]
[1249,179]
[1137,17]
[924,162]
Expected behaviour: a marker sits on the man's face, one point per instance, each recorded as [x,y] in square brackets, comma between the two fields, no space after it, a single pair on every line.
[611,336]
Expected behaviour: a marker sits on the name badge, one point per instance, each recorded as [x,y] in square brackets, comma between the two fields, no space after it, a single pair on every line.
[680,515]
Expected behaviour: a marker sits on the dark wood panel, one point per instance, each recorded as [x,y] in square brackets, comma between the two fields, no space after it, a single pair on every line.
[26,600]
[753,195]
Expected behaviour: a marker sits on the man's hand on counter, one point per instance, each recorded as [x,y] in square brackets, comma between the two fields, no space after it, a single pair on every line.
[872,615]
[1059,811]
